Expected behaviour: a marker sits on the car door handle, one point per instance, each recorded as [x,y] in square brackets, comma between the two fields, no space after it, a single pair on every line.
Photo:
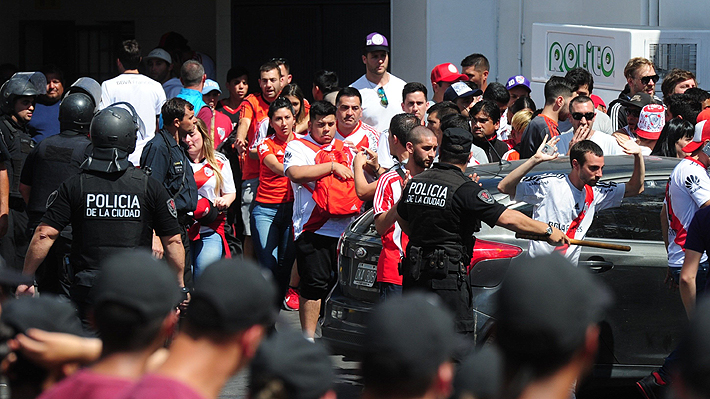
[597,266]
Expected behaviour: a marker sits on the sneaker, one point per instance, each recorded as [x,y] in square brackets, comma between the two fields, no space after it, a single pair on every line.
[652,386]
[291,299]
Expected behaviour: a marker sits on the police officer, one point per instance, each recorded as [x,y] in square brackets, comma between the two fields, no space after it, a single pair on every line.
[52,161]
[164,158]
[440,210]
[111,206]
[17,99]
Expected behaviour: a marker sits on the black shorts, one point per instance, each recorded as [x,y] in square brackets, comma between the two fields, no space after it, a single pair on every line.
[317,264]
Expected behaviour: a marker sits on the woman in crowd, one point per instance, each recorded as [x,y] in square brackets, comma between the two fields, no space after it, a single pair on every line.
[519,123]
[294,94]
[676,134]
[216,191]
[271,225]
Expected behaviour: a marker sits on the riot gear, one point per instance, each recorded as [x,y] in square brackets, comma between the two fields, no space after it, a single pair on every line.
[76,112]
[113,135]
[21,84]
[89,87]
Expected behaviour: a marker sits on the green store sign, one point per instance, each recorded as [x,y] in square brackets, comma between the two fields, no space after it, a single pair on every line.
[598,60]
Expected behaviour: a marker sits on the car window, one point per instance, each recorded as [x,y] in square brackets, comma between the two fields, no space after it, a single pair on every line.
[638,218]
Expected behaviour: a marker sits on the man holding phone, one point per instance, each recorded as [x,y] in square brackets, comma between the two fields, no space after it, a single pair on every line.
[568,202]
[356,134]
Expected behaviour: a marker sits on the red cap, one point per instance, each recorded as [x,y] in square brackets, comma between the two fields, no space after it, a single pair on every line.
[597,100]
[703,116]
[702,133]
[447,73]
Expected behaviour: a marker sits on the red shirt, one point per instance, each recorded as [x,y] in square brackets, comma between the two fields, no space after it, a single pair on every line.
[86,384]
[394,241]
[273,188]
[255,108]
[154,386]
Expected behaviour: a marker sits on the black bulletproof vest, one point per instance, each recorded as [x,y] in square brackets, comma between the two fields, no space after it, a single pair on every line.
[432,221]
[57,159]
[20,144]
[113,217]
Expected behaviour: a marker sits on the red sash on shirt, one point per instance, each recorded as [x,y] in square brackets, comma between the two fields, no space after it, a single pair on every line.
[588,198]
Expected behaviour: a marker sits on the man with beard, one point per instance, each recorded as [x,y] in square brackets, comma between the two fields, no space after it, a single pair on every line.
[568,201]
[485,121]
[419,148]
[45,121]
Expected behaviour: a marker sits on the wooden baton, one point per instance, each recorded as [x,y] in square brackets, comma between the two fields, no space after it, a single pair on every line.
[584,243]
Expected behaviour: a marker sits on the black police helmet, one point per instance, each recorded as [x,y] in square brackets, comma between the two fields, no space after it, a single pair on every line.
[76,111]
[115,127]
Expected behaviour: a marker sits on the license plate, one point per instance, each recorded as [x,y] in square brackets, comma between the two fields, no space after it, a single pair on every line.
[366,275]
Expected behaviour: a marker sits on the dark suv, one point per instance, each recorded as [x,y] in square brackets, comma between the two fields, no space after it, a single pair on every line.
[642,328]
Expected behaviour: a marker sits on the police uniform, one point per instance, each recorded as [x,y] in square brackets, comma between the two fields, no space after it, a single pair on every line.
[443,208]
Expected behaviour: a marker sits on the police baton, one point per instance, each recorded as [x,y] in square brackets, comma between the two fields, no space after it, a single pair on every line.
[572,241]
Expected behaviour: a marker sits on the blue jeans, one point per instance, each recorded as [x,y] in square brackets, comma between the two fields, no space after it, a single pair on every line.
[205,251]
[272,234]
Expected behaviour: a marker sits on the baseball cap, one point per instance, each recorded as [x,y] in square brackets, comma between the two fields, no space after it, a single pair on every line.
[408,338]
[480,374]
[232,295]
[694,352]
[304,367]
[447,73]
[46,312]
[205,213]
[456,141]
[702,133]
[517,80]
[461,89]
[651,121]
[138,281]
[639,100]
[376,41]
[703,116]
[210,85]
[597,100]
[160,54]
[545,306]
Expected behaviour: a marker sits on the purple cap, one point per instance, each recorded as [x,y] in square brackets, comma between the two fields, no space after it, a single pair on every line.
[376,41]
[517,80]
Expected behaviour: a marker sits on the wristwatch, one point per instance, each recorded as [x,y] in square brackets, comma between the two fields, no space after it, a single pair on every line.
[548,232]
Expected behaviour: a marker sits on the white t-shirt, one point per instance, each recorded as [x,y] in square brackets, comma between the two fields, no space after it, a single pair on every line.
[606,142]
[145,95]
[206,180]
[373,112]
[558,202]
[688,190]
[504,128]
[384,157]
[300,154]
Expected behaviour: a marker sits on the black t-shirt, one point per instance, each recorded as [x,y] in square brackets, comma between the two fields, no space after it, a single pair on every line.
[697,239]
[69,207]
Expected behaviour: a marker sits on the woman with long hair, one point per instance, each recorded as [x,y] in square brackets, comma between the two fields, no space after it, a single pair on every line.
[271,218]
[676,134]
[216,191]
[294,94]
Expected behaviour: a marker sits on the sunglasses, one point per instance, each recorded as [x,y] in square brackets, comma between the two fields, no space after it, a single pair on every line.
[383,97]
[649,78]
[587,115]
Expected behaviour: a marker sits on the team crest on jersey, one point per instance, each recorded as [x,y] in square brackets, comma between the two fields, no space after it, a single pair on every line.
[692,183]
[485,196]
[171,207]
[51,198]
[208,172]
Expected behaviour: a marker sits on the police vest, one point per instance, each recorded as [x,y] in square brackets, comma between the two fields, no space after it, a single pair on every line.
[432,221]
[20,144]
[57,159]
[112,217]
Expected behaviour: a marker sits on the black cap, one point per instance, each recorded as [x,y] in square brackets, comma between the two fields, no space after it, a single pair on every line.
[694,352]
[9,276]
[545,306]
[639,100]
[480,374]
[456,141]
[304,367]
[46,312]
[140,282]
[232,295]
[408,338]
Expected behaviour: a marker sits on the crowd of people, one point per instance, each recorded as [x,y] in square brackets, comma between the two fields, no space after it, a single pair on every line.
[159,158]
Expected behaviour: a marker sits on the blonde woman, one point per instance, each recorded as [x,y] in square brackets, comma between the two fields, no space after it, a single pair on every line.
[216,191]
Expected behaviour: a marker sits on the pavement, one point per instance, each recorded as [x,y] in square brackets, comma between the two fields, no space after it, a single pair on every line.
[347,384]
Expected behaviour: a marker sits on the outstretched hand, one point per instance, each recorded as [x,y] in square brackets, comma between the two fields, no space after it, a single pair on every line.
[541,156]
[629,146]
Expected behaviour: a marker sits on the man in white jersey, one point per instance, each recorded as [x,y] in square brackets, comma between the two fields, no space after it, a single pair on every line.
[351,130]
[568,201]
[143,93]
[315,232]
[583,116]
